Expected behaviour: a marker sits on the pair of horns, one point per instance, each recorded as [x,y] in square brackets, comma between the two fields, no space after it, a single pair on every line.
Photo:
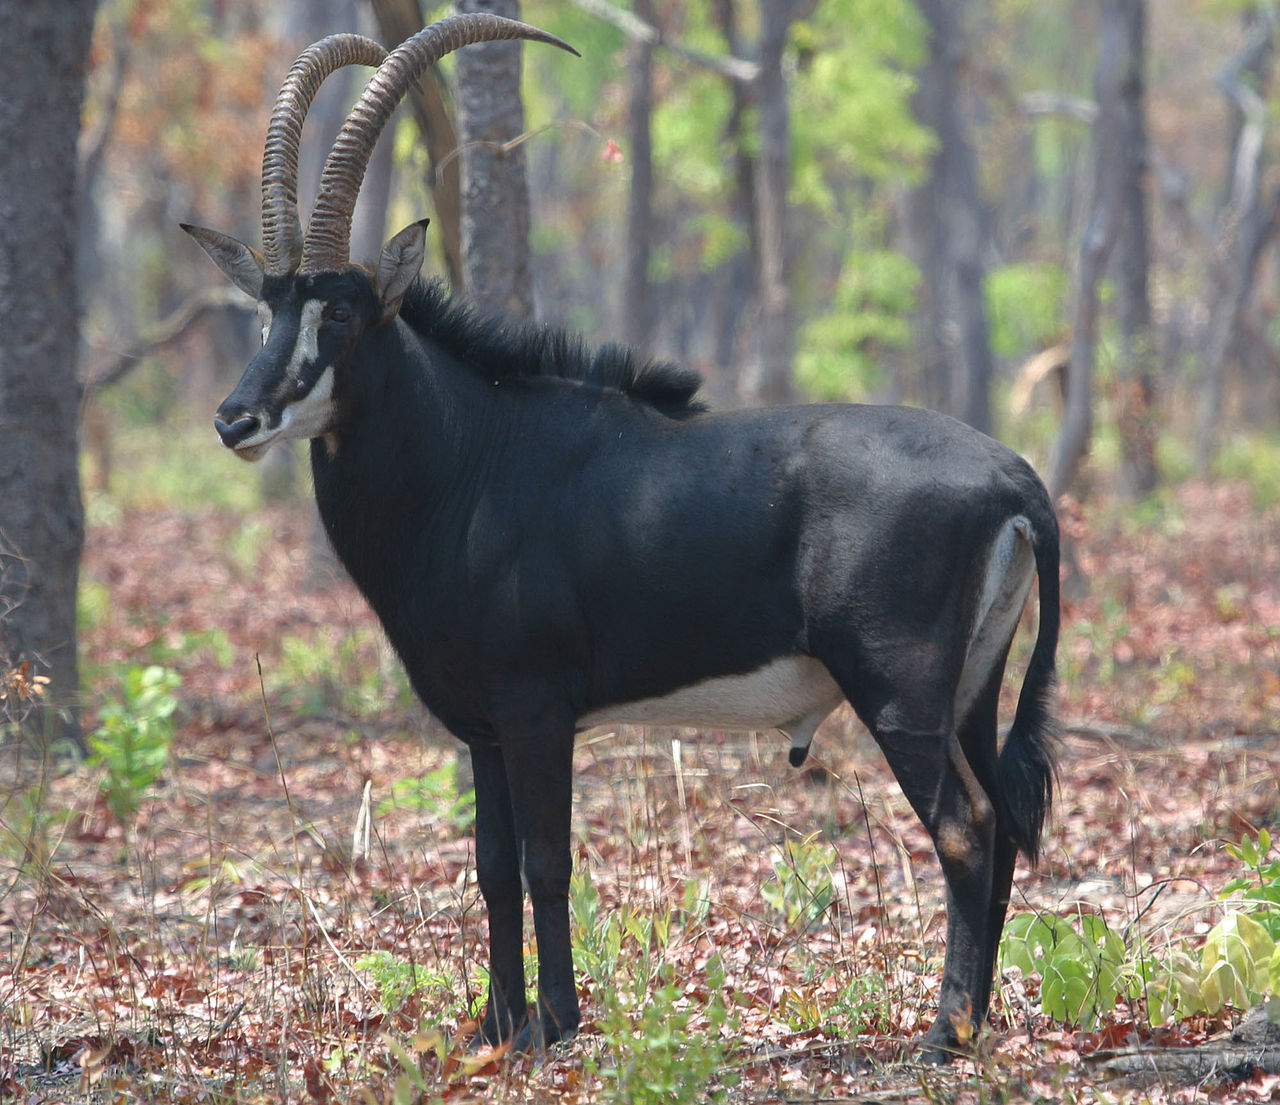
[326,245]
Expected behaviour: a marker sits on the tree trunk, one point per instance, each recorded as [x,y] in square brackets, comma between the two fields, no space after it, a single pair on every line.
[44,51]
[1136,370]
[398,20]
[739,282]
[947,213]
[495,195]
[369,230]
[1258,226]
[770,379]
[1246,221]
[637,295]
[1095,247]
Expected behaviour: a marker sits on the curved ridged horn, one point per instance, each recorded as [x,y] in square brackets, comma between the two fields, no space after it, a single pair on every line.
[281,230]
[327,246]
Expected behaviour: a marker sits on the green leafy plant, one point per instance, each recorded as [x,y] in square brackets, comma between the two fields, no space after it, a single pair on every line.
[133,738]
[600,939]
[861,1004]
[1081,961]
[655,1052]
[1239,965]
[436,793]
[353,675]
[1084,965]
[398,980]
[1260,888]
[803,886]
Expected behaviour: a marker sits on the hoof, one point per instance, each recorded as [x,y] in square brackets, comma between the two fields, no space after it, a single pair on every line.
[940,1048]
[534,1035]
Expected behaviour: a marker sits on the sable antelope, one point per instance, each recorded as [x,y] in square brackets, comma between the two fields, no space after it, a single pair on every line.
[556,538]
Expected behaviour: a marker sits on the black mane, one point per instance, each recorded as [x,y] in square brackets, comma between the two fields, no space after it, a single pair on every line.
[501,350]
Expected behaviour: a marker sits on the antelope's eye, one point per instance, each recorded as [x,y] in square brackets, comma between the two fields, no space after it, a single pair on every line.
[337,313]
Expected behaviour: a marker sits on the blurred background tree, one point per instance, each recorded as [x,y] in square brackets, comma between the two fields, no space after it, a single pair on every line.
[44,51]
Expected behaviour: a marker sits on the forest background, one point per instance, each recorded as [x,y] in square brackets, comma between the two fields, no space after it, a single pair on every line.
[1055,220]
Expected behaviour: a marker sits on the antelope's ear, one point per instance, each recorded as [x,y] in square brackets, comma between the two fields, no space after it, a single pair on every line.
[400,262]
[242,264]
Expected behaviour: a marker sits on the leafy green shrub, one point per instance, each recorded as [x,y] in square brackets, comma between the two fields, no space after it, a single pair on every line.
[398,980]
[655,1054]
[1080,961]
[1238,963]
[354,675]
[840,352]
[1260,890]
[1084,966]
[1024,304]
[133,738]
[1254,458]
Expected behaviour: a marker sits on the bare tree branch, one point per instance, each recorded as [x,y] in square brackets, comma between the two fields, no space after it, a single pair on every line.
[1236,82]
[1079,108]
[115,367]
[734,69]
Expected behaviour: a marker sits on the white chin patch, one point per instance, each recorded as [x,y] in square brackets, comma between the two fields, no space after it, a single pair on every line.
[256,452]
[312,415]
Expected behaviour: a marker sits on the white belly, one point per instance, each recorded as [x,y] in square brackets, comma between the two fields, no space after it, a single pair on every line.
[792,694]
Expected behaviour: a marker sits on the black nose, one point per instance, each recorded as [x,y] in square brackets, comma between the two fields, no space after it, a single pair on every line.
[235,432]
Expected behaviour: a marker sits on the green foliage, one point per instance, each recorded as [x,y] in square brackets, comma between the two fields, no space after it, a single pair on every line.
[662,1044]
[1237,964]
[436,793]
[851,98]
[1026,305]
[31,829]
[597,941]
[600,937]
[692,159]
[1080,961]
[93,605]
[1260,888]
[555,84]
[170,464]
[1103,634]
[861,1004]
[133,738]
[839,351]
[1254,458]
[803,886]
[398,980]
[655,1052]
[356,676]
[852,123]
[1085,967]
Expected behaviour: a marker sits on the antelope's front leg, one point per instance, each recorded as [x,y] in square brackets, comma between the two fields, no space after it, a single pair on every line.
[540,773]
[498,871]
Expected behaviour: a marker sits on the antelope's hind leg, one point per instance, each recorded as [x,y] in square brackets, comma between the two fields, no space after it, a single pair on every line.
[938,781]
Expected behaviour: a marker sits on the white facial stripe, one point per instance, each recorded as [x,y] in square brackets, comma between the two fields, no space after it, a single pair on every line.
[311,415]
[307,347]
[264,320]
